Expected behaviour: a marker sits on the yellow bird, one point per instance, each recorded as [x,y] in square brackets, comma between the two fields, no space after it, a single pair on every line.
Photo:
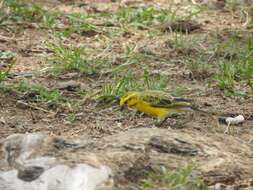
[157,104]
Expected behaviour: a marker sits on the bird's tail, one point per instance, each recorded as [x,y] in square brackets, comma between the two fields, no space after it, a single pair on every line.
[197,109]
[188,105]
[182,103]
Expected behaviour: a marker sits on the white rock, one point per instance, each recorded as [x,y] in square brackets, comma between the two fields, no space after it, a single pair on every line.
[60,177]
[23,150]
[235,120]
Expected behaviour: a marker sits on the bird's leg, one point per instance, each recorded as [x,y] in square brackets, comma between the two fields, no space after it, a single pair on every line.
[173,115]
[133,114]
[136,113]
[141,113]
[160,122]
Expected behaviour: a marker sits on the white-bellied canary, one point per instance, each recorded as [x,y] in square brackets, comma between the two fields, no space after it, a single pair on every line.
[157,104]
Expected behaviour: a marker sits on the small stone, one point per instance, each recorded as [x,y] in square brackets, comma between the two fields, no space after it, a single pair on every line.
[68,85]
[30,173]
[2,120]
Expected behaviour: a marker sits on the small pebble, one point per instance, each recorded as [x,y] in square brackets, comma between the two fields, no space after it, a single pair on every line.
[235,120]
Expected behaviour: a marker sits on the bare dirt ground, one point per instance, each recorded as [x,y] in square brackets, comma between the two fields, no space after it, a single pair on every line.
[162,55]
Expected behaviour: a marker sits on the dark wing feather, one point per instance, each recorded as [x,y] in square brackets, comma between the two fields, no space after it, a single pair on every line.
[162,99]
[157,98]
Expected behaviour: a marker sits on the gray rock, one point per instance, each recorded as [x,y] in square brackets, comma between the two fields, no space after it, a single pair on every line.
[126,156]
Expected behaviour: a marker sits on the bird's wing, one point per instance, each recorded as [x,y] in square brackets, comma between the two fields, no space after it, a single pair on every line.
[164,100]
[157,98]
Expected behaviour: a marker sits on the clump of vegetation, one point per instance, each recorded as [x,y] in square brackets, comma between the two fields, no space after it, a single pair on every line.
[140,18]
[111,92]
[237,69]
[200,67]
[143,18]
[20,11]
[79,25]
[15,11]
[130,81]
[87,61]
[66,59]
[7,60]
[226,76]
[181,178]
[34,93]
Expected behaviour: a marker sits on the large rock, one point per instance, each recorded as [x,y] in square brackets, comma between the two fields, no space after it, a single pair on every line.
[35,160]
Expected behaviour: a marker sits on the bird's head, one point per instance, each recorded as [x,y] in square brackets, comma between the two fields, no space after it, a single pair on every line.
[129,100]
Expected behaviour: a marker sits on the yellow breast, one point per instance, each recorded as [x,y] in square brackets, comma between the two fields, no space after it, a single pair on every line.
[160,113]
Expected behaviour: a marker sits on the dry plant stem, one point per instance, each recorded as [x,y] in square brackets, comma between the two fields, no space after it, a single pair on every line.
[35,107]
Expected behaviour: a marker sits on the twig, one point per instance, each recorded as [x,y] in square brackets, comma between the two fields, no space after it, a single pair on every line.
[35,107]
